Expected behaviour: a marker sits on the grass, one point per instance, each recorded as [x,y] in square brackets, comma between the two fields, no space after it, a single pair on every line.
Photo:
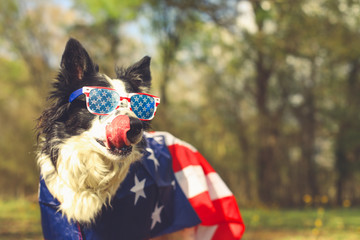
[20,219]
[309,224]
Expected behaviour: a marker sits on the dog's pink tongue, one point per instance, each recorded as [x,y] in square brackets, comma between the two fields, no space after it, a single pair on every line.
[116,132]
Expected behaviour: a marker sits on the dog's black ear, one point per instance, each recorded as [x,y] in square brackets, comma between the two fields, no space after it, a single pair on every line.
[75,61]
[142,69]
[138,75]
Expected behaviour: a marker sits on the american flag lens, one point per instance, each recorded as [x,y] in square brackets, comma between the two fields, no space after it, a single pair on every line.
[143,106]
[103,101]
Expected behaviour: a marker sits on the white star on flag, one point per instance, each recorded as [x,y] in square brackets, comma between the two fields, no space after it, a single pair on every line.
[152,157]
[155,216]
[159,139]
[138,189]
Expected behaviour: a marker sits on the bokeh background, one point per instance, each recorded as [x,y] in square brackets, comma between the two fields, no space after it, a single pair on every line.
[267,90]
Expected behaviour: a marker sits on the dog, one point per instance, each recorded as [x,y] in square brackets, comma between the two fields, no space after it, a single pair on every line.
[94,138]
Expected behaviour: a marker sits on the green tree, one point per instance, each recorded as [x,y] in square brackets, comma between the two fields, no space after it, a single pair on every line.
[280,68]
[26,65]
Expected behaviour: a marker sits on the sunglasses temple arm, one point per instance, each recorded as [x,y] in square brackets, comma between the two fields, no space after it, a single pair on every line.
[75,94]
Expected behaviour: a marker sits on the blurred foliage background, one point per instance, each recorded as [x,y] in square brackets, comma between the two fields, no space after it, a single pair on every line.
[266,90]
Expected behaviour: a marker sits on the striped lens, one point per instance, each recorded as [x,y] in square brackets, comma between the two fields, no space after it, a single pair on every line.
[143,106]
[103,101]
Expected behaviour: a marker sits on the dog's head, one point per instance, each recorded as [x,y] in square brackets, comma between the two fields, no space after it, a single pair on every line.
[100,112]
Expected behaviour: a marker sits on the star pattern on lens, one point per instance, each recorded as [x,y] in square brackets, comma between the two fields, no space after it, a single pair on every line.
[142,106]
[103,101]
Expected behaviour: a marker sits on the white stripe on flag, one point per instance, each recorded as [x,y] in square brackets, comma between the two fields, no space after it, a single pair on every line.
[205,232]
[192,180]
[217,187]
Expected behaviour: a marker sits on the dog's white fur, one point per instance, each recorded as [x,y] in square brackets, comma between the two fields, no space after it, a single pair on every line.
[85,179]
[87,175]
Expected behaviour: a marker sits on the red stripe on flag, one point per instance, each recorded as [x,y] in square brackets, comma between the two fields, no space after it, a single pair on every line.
[229,231]
[227,209]
[184,157]
[204,208]
[216,211]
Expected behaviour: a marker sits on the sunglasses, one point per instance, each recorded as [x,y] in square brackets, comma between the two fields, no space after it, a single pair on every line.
[103,101]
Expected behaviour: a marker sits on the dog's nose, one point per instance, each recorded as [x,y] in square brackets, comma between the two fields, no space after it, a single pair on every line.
[135,131]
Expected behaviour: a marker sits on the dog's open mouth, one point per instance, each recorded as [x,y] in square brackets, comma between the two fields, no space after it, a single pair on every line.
[123,151]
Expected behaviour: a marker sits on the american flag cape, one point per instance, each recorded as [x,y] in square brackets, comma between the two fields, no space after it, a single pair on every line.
[173,187]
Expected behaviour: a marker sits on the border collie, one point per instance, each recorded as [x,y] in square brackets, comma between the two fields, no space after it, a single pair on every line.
[89,137]
[92,138]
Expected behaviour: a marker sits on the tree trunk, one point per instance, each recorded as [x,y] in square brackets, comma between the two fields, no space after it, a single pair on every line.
[267,172]
[348,125]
